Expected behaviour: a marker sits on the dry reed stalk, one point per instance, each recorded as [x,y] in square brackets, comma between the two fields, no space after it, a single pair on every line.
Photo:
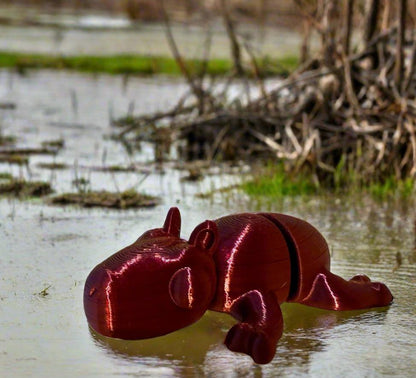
[337,112]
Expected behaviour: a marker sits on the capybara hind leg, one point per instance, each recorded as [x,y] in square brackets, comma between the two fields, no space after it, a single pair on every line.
[332,292]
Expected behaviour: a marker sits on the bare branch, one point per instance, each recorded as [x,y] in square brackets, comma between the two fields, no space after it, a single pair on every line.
[235,46]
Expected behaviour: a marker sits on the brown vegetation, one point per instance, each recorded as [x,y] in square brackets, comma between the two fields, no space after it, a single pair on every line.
[275,12]
[14,159]
[123,200]
[348,112]
[22,189]
[180,10]
[280,12]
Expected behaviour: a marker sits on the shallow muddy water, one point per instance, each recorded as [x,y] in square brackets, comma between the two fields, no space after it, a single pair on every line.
[47,252]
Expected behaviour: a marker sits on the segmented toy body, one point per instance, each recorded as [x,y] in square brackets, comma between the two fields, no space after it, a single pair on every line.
[267,252]
[242,264]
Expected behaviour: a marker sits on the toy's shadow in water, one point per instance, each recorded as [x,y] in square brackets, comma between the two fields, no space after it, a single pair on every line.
[189,344]
[306,330]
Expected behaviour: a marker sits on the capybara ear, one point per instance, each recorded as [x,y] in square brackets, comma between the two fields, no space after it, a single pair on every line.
[180,288]
[172,223]
[205,236]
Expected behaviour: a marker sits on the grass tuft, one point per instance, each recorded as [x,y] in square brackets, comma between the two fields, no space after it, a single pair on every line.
[14,159]
[124,200]
[53,166]
[5,176]
[6,140]
[391,187]
[24,189]
[276,182]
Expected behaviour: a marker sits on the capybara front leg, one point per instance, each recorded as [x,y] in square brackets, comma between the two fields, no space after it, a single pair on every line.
[332,292]
[260,327]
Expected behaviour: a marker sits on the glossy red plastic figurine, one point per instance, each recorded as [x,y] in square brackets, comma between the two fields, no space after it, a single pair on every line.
[243,264]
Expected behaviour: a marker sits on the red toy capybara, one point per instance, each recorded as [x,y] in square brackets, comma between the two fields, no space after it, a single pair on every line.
[242,264]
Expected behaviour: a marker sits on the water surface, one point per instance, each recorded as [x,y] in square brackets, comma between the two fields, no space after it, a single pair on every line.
[54,248]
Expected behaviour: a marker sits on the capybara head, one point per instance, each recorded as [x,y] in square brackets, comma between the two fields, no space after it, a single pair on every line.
[158,284]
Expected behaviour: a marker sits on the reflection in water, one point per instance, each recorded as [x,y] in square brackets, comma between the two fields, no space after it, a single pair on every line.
[199,349]
[220,362]
[412,255]
[189,344]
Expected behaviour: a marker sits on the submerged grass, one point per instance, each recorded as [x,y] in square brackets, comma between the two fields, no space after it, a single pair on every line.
[6,140]
[56,143]
[134,64]
[24,189]
[53,166]
[5,176]
[124,200]
[16,159]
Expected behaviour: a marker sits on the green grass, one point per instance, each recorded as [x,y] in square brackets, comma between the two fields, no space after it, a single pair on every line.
[391,187]
[281,66]
[132,64]
[346,179]
[275,182]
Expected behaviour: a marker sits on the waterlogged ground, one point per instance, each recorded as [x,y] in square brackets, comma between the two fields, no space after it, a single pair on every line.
[66,33]
[46,252]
